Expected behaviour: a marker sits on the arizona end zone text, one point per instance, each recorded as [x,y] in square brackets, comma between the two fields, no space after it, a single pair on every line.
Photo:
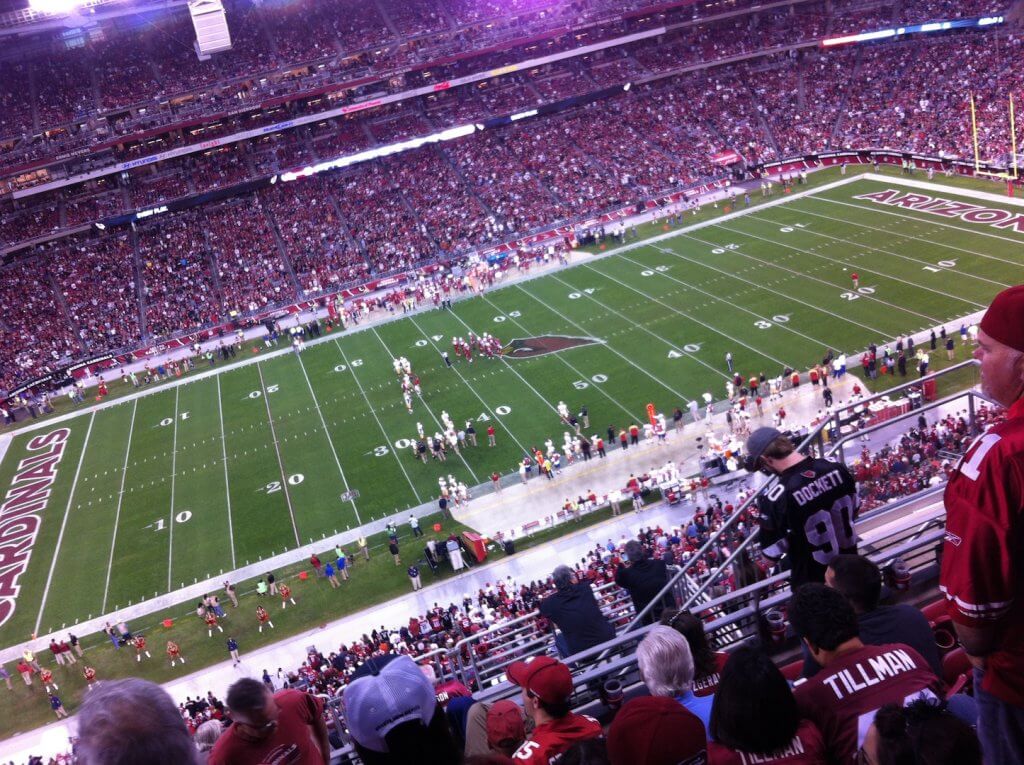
[948,209]
[19,514]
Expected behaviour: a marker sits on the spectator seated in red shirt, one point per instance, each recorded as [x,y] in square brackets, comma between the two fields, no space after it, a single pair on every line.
[856,680]
[547,688]
[707,664]
[755,716]
[287,725]
[394,717]
[132,721]
[655,730]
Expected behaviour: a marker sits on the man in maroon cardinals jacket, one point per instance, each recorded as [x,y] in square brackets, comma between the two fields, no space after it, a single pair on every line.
[983,555]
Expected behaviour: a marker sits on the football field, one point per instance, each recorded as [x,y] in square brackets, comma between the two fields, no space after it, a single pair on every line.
[145,496]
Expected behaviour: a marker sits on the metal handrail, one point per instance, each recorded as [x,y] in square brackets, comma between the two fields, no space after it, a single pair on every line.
[812,436]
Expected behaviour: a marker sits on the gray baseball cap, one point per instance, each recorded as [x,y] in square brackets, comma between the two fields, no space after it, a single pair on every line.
[757,442]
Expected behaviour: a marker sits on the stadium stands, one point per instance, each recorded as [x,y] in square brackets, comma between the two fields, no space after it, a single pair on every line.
[659,137]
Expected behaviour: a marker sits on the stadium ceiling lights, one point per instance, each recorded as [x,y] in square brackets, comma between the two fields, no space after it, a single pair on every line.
[54,7]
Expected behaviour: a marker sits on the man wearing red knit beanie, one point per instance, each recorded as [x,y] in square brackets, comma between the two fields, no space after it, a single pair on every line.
[983,555]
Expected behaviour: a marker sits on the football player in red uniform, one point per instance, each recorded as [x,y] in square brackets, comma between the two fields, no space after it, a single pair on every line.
[983,556]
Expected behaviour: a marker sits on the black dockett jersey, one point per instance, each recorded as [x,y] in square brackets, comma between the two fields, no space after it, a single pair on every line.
[808,512]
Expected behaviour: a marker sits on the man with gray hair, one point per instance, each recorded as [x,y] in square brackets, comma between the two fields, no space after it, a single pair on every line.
[132,721]
[574,610]
[666,667]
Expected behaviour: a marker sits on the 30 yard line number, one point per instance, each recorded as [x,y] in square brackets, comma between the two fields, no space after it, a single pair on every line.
[407,443]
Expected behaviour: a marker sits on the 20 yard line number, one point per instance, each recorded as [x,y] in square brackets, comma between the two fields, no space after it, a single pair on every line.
[274,486]
[407,443]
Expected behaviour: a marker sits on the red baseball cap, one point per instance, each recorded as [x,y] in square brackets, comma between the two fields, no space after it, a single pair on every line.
[544,677]
[505,725]
[656,730]
[1004,319]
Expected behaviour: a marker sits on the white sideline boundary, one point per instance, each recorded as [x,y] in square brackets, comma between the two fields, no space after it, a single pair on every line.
[283,559]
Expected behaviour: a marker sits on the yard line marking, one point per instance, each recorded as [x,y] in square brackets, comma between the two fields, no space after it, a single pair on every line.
[429,410]
[625,358]
[63,525]
[379,424]
[120,497]
[280,462]
[686,315]
[902,236]
[174,471]
[227,487]
[842,262]
[763,287]
[928,221]
[514,371]
[603,392]
[330,441]
[472,390]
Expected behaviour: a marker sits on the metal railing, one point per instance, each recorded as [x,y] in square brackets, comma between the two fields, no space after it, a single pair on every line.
[817,439]
[910,529]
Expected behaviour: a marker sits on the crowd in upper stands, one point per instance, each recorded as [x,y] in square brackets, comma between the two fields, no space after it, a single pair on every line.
[320,234]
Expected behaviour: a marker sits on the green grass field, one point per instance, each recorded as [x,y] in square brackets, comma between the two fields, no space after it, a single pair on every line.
[163,489]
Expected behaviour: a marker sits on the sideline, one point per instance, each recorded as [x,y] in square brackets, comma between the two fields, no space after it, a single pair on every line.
[289,557]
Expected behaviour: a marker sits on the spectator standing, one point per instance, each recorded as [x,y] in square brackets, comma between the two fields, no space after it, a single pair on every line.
[643,579]
[395,552]
[229,589]
[272,580]
[666,668]
[855,679]
[6,677]
[233,650]
[574,610]
[132,720]
[755,716]
[546,689]
[982,559]
[414,577]
[809,508]
[266,724]
[331,576]
[57,706]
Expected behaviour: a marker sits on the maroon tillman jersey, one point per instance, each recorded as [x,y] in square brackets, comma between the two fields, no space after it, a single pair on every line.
[842,699]
[983,555]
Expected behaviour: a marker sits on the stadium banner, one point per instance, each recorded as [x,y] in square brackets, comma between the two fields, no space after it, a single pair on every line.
[728,157]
